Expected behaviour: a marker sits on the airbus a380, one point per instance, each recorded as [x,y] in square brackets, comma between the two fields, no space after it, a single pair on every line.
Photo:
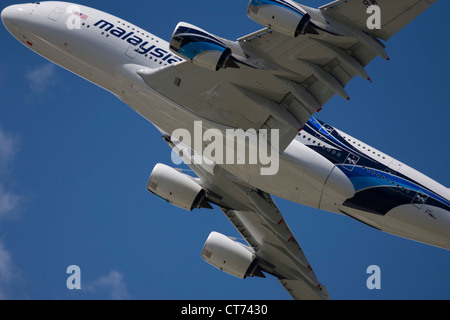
[271,81]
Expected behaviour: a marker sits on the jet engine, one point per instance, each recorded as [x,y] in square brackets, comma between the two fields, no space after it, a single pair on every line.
[231,256]
[293,19]
[201,47]
[177,188]
[284,16]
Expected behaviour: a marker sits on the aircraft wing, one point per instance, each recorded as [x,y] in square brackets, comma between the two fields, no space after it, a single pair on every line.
[395,15]
[280,81]
[277,250]
[259,221]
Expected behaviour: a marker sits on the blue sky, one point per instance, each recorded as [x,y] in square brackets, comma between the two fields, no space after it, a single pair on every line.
[74,163]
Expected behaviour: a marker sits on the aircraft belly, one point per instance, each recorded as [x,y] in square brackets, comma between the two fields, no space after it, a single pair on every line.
[427,224]
[293,181]
[302,173]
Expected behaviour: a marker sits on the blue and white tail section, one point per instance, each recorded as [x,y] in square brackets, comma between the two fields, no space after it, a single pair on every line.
[384,187]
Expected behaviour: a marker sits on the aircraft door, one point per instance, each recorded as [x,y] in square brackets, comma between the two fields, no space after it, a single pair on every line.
[56,14]
[395,165]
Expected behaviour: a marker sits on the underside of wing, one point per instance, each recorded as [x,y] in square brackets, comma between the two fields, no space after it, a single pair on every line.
[395,15]
[234,98]
[271,246]
[277,251]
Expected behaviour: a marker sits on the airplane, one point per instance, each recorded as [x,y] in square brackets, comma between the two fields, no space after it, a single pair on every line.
[273,80]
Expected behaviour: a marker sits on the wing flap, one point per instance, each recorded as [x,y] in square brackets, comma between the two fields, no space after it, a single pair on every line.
[321,66]
[299,291]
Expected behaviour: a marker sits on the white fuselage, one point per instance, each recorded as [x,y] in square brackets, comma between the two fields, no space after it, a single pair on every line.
[337,176]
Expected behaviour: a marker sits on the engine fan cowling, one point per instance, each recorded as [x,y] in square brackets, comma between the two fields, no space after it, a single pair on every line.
[230,256]
[176,188]
[284,16]
[201,47]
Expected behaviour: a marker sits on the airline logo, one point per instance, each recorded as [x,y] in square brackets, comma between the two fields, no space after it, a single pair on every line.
[133,38]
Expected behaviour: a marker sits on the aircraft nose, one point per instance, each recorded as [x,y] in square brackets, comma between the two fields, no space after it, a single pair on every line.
[13,15]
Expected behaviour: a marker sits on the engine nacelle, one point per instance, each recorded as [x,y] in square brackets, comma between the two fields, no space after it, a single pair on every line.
[201,47]
[284,16]
[230,256]
[177,188]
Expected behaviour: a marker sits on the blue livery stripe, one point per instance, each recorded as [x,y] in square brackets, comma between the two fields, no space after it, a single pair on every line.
[192,49]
